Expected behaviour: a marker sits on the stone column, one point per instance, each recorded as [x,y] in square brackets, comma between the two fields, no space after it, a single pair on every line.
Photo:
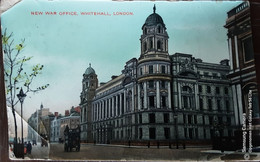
[169,95]
[113,106]
[145,95]
[102,109]
[139,96]
[109,108]
[120,105]
[124,101]
[133,101]
[158,97]
[196,97]
[116,105]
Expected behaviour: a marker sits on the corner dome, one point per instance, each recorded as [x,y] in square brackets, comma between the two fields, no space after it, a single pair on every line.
[154,19]
[89,70]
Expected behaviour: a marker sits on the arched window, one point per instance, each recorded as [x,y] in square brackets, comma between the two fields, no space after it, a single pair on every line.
[159,29]
[145,46]
[145,30]
[159,44]
[187,97]
[151,43]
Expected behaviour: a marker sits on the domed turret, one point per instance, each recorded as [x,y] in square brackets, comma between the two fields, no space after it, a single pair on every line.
[154,40]
[154,19]
[90,70]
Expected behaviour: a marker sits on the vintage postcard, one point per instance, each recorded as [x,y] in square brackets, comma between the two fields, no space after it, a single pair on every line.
[139,80]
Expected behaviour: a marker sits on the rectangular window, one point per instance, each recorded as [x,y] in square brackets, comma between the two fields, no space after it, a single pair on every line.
[201,104]
[140,119]
[163,84]
[151,118]
[152,133]
[163,101]
[142,102]
[227,106]
[150,69]
[217,90]
[167,133]
[166,118]
[151,101]
[210,104]
[206,74]
[248,49]
[200,88]
[141,71]
[218,105]
[189,119]
[185,101]
[140,133]
[195,119]
[163,69]
[210,120]
[208,89]
[226,90]
[151,84]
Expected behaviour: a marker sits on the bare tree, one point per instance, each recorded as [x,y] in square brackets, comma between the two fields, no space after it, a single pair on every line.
[15,75]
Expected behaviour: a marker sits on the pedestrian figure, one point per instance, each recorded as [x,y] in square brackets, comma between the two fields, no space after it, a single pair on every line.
[158,144]
[29,147]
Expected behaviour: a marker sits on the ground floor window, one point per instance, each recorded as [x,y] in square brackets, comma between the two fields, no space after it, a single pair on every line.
[140,133]
[167,133]
[152,133]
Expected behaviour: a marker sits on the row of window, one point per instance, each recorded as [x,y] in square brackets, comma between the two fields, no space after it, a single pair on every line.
[152,84]
[151,102]
[217,89]
[151,46]
[159,29]
[151,70]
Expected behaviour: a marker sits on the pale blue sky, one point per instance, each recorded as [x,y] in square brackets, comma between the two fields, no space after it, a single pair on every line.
[66,45]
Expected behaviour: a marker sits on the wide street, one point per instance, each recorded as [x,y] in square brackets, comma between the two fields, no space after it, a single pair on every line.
[119,152]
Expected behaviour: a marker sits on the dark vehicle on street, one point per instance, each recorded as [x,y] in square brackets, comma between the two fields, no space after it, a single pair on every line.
[71,139]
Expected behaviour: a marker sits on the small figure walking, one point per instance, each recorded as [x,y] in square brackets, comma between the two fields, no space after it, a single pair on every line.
[29,147]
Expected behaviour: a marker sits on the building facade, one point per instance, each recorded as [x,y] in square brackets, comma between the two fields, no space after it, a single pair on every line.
[159,96]
[89,85]
[243,71]
[39,123]
[55,129]
[72,121]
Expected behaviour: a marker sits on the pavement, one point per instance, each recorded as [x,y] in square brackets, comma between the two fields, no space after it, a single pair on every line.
[55,151]
[38,152]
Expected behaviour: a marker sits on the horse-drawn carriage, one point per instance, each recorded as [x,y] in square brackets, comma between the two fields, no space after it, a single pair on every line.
[71,139]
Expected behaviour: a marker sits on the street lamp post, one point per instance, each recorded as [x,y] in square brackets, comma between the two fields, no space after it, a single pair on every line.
[21,96]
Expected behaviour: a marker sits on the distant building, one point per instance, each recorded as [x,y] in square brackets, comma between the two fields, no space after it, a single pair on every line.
[158,96]
[73,121]
[40,121]
[55,129]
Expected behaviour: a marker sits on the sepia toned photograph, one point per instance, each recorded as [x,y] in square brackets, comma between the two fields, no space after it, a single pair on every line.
[139,80]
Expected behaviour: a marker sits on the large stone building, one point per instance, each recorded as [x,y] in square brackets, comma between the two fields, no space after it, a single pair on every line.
[158,96]
[243,71]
